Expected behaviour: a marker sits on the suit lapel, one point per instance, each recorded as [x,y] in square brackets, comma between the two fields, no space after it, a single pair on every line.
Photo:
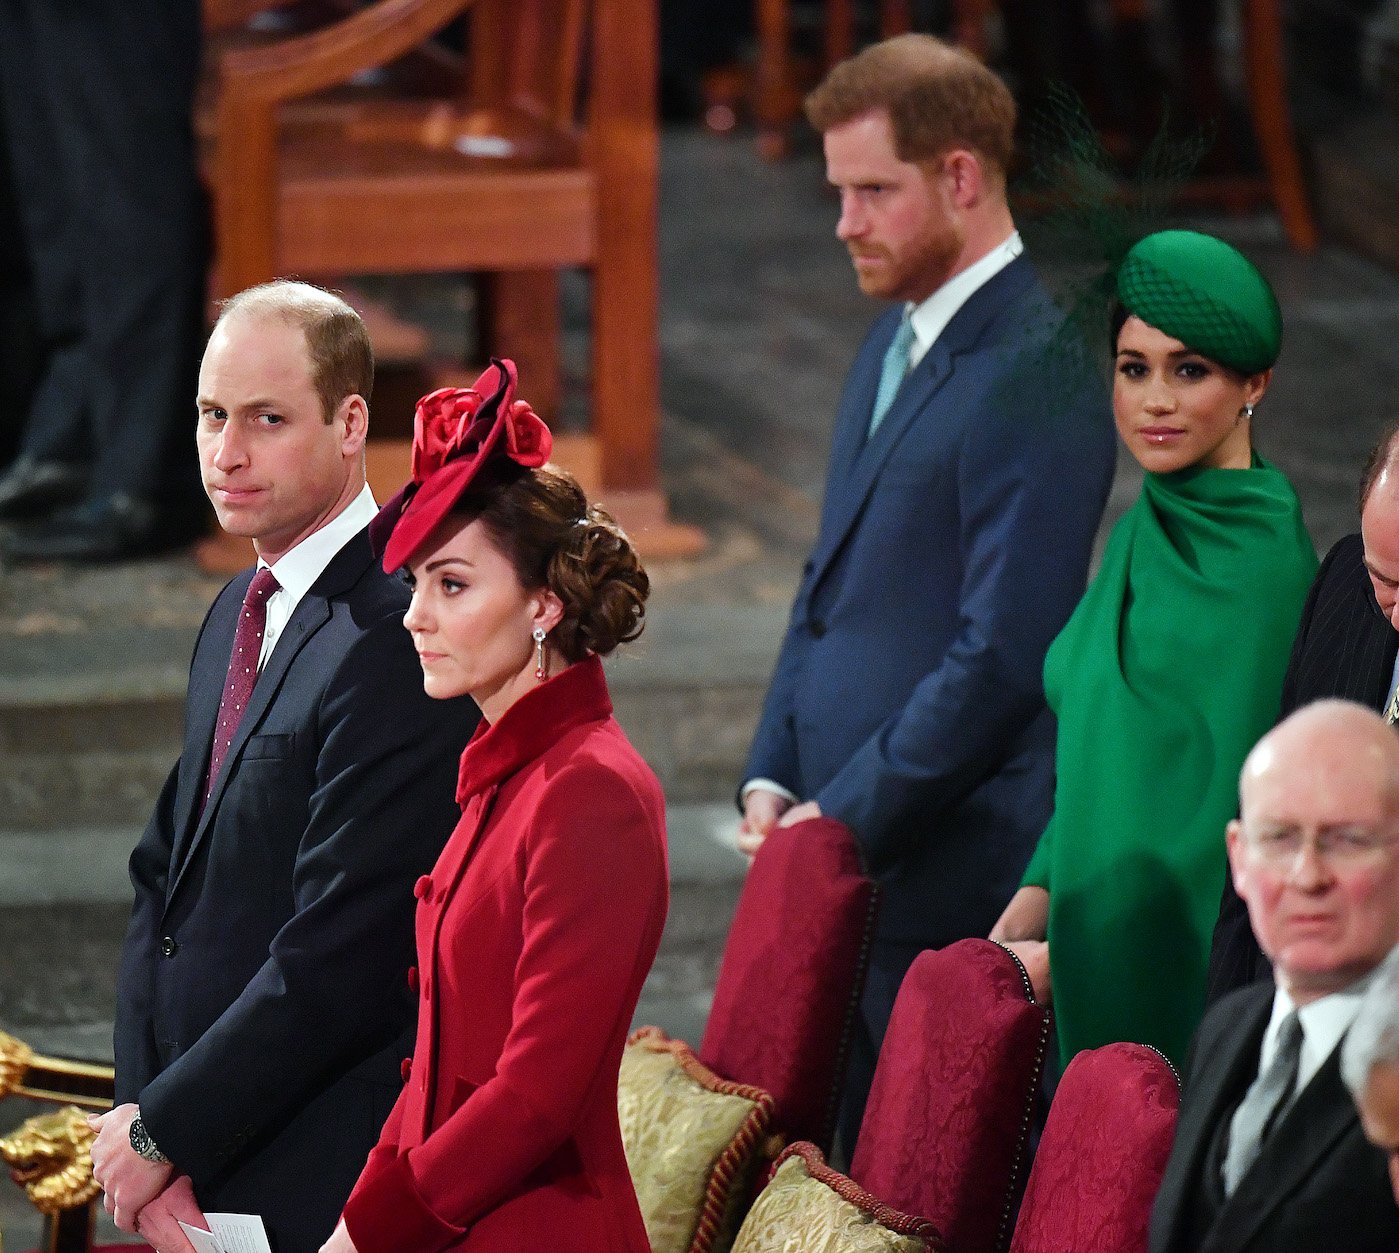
[311,613]
[1320,1116]
[1211,1093]
[859,462]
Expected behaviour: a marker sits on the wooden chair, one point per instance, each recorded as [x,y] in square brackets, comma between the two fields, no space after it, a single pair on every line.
[1103,1153]
[544,159]
[776,101]
[946,1131]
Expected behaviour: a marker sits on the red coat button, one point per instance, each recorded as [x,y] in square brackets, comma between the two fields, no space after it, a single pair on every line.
[422,887]
[406,1070]
[412,978]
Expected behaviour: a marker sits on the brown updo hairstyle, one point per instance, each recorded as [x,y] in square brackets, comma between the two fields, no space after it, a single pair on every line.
[541,520]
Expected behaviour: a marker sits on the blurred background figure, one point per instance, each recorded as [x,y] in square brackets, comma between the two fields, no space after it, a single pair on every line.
[1370,1064]
[96,98]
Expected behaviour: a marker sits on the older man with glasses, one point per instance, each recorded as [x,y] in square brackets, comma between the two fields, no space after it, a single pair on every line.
[1269,1151]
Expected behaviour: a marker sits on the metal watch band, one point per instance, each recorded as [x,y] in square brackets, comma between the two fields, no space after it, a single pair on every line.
[143,1144]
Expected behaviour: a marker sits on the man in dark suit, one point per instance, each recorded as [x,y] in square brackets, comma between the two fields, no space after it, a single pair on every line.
[262,1008]
[1346,646]
[1269,1153]
[968,472]
[97,99]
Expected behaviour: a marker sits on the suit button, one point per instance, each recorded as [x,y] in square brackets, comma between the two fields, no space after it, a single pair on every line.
[817,628]
[168,947]
[422,887]
[406,1069]
[412,978]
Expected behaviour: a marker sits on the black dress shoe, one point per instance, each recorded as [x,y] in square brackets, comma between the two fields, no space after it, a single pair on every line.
[31,487]
[107,528]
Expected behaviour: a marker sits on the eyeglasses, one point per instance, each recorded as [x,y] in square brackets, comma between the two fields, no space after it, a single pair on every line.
[1337,846]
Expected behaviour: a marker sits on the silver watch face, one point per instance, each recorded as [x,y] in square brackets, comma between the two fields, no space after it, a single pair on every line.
[143,1144]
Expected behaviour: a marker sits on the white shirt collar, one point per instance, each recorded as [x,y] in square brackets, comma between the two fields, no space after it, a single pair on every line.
[300,566]
[1324,1022]
[930,318]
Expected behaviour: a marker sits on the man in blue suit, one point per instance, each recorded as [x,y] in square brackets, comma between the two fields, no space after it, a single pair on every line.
[970,462]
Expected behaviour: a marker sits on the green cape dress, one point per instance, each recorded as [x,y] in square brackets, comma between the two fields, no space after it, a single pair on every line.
[1167,673]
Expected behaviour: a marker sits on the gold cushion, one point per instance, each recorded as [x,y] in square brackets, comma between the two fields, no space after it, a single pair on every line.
[693,1143]
[808,1206]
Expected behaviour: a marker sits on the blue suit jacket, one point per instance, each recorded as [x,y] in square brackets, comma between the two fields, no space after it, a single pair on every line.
[908,697]
[262,1009]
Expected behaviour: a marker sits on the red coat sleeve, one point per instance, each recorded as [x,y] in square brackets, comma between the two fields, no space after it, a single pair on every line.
[594,892]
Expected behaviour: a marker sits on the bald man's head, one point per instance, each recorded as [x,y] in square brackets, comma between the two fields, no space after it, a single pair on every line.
[1314,855]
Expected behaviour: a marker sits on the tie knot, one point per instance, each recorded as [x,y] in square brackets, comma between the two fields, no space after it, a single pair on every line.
[903,337]
[263,585]
[1290,1035]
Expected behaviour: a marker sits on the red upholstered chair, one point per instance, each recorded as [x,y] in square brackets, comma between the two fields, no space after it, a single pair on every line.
[791,974]
[946,1128]
[1103,1153]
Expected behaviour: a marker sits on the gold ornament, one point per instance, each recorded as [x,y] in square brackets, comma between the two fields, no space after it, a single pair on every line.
[15,1059]
[50,1157]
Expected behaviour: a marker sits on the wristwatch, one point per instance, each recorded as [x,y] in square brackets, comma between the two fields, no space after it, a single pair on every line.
[143,1144]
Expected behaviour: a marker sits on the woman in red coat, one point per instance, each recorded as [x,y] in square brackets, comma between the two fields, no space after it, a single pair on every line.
[541,919]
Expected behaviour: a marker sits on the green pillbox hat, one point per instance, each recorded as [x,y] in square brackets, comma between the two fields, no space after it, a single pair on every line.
[1199,290]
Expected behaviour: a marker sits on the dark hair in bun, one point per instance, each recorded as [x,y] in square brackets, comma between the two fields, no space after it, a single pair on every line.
[541,520]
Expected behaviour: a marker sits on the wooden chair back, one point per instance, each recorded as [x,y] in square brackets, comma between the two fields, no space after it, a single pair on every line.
[546,159]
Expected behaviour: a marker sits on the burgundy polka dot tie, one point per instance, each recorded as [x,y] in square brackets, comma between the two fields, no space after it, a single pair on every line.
[242,669]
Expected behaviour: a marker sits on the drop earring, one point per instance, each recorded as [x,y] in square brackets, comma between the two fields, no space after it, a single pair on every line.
[540,672]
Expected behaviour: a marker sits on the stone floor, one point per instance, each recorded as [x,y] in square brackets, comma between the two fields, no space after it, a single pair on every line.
[760,318]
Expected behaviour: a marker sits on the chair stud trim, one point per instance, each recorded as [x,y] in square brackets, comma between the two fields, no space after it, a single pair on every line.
[1006,1229]
[1170,1065]
[847,1029]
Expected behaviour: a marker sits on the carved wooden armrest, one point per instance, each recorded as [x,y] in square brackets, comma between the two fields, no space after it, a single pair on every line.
[334,54]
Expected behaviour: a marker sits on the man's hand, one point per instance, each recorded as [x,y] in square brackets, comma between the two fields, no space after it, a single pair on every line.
[159,1223]
[761,810]
[800,813]
[1034,955]
[339,1241]
[129,1181]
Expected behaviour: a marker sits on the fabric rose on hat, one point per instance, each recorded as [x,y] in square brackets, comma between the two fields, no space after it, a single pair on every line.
[440,426]
[528,440]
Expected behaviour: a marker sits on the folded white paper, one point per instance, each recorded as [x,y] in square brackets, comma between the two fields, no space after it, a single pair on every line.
[229,1233]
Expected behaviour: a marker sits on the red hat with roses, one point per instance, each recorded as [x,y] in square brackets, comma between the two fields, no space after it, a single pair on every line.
[456,431]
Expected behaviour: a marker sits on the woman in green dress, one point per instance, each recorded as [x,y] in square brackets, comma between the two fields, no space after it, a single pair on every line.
[1171,666]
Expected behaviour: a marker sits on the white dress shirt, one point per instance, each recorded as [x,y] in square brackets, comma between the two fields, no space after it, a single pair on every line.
[1324,1022]
[930,318]
[299,567]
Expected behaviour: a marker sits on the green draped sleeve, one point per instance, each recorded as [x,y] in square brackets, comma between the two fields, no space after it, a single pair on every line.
[1167,673]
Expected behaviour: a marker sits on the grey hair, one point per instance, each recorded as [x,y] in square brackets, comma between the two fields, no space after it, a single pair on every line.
[1373,1038]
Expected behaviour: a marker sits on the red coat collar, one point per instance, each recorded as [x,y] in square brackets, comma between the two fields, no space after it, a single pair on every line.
[532,725]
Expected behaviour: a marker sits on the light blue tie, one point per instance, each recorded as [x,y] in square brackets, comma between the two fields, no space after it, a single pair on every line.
[892,372]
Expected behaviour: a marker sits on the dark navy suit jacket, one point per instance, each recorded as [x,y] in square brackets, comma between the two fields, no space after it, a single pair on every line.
[1345,647]
[1317,1182]
[262,1006]
[908,697]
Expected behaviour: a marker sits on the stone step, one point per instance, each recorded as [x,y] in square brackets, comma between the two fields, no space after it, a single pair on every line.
[89,747]
[65,899]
